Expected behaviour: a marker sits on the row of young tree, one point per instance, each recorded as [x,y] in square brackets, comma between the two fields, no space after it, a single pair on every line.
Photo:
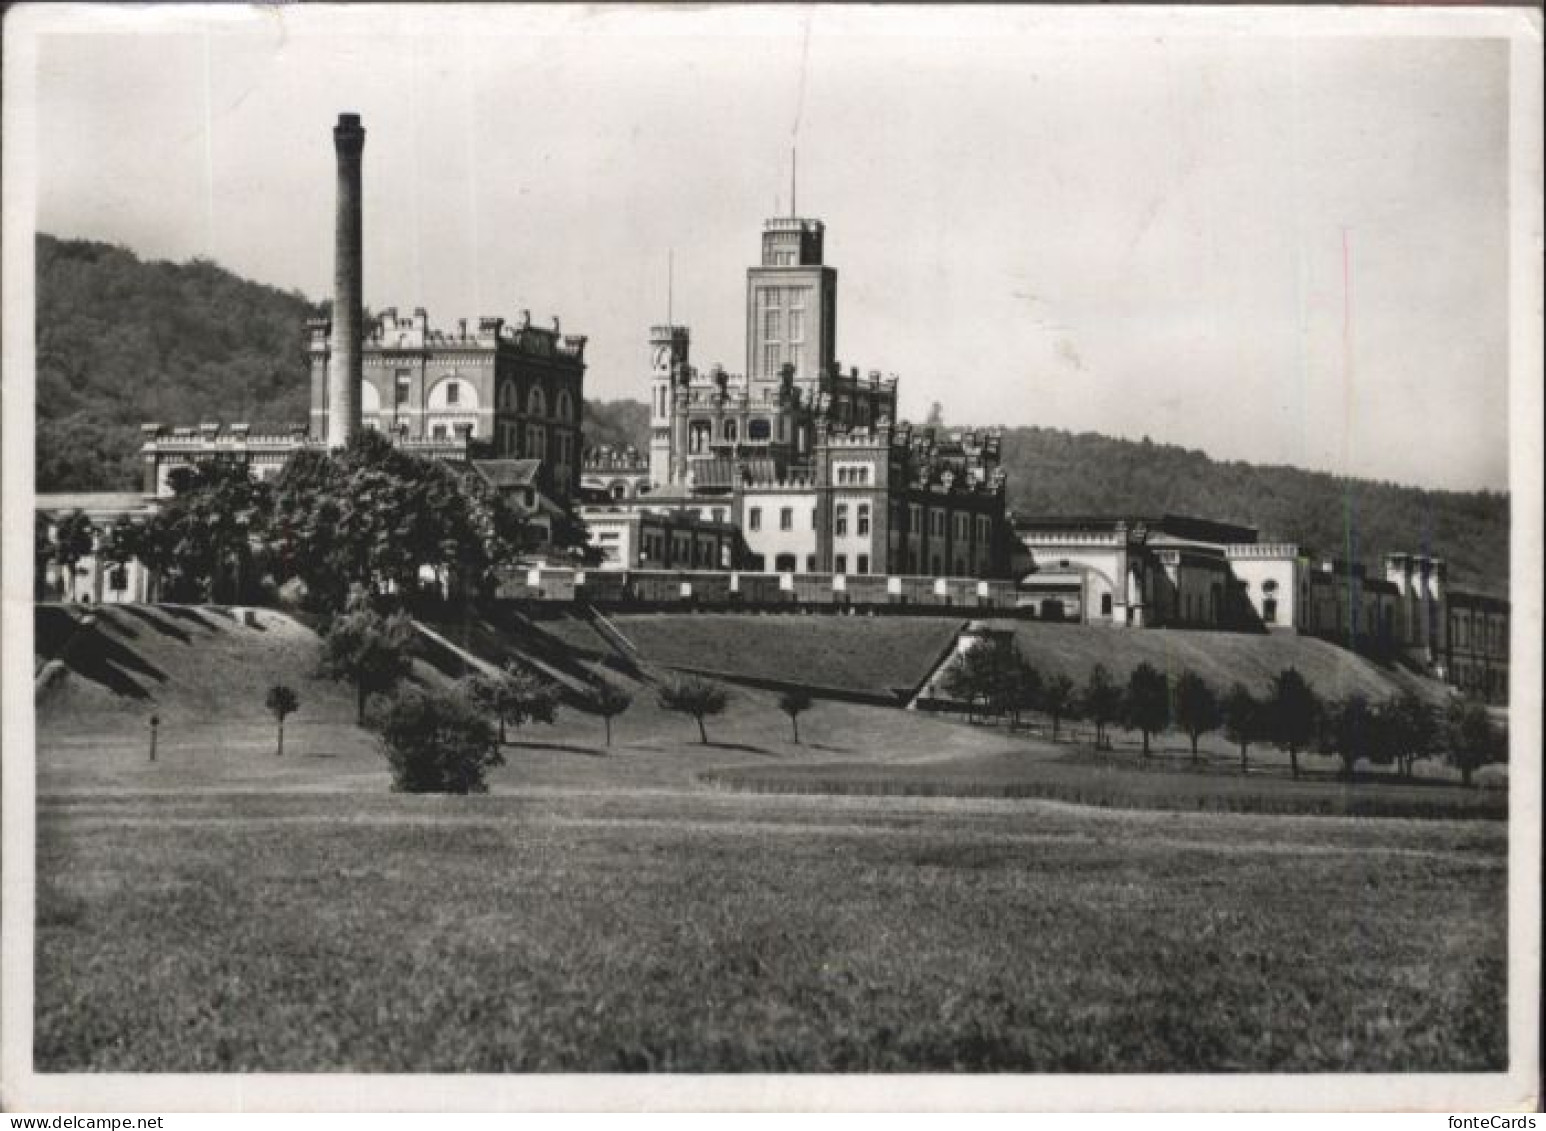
[446,741]
[995,679]
[369,515]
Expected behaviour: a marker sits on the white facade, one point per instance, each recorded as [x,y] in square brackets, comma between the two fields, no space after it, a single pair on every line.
[781,526]
[1269,575]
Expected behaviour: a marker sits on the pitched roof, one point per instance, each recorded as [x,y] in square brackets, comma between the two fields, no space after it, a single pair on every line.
[508,472]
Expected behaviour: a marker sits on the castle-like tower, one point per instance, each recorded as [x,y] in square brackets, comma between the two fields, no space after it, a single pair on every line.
[791,304]
[807,459]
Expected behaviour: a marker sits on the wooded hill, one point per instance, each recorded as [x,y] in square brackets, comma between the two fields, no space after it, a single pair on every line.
[122,341]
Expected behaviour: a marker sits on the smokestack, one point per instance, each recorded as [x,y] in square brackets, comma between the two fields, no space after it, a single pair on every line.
[344,370]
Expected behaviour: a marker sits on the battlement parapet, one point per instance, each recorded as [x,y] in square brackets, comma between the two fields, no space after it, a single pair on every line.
[1262,550]
[1072,538]
[607,458]
[213,434]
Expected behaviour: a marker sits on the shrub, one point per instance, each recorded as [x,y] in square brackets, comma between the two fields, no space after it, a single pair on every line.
[438,742]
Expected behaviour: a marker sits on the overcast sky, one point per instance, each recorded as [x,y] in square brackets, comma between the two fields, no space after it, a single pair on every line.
[1285,249]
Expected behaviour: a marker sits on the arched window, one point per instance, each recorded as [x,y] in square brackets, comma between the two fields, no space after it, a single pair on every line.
[784,563]
[698,436]
[565,405]
[732,431]
[536,402]
[453,394]
[508,398]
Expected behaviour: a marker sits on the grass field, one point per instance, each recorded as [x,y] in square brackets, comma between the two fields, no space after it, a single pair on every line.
[616,931]
[224,909]
[881,656]
[1086,779]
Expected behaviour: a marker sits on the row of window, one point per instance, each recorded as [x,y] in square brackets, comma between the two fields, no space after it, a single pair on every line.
[787,563]
[700,433]
[861,515]
[536,442]
[862,521]
[686,550]
[785,518]
[1489,635]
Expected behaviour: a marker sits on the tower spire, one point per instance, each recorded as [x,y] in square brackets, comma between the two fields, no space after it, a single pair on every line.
[670,280]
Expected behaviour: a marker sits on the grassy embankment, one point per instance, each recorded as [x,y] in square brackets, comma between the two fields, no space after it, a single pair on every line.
[224,909]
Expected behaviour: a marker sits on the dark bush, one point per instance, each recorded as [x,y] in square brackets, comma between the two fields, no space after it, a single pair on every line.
[438,742]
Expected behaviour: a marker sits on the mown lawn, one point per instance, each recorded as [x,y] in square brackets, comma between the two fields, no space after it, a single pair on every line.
[1084,778]
[579,930]
[879,656]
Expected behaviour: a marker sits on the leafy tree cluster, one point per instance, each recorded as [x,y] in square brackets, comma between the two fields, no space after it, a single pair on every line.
[369,516]
[375,515]
[121,341]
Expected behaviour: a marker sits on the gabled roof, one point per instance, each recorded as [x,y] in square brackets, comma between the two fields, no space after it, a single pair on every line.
[503,473]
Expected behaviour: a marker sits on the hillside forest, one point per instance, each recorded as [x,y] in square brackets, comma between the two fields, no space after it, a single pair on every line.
[122,341]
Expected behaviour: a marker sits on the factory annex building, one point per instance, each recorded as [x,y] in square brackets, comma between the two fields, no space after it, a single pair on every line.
[503,398]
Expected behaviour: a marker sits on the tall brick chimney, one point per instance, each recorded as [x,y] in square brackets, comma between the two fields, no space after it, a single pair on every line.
[344,370]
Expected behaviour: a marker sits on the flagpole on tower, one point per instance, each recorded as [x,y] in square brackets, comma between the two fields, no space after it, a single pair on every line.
[794,167]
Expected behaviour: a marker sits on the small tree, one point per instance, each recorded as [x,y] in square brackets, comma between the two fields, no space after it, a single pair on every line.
[969,678]
[1290,713]
[74,536]
[1101,701]
[281,701]
[699,698]
[1146,704]
[1412,729]
[1197,708]
[369,651]
[1241,713]
[1468,737]
[1024,688]
[513,696]
[609,701]
[1058,700]
[1355,729]
[794,703]
[438,742]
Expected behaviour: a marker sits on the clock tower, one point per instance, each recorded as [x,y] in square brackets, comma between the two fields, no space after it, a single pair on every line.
[668,365]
